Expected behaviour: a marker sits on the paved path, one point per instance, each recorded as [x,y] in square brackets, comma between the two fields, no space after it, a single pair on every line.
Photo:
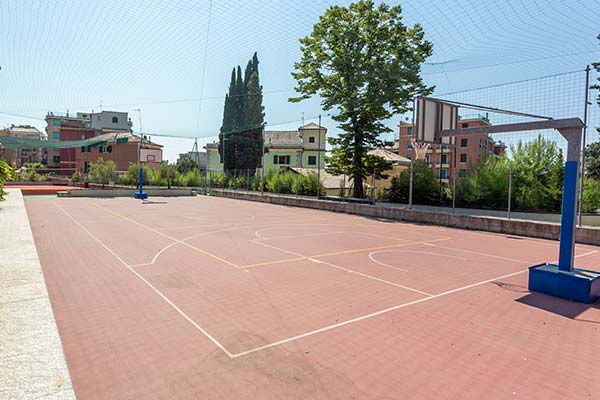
[32,363]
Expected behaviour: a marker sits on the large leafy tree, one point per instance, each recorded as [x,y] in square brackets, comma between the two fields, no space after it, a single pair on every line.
[364,63]
[186,163]
[240,139]
[592,160]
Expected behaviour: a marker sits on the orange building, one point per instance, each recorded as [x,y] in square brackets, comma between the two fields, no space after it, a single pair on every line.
[469,148]
[123,149]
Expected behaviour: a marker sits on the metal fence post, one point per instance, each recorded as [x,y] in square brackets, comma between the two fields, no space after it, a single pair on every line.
[453,169]
[585,117]
[509,191]
[297,179]
[410,184]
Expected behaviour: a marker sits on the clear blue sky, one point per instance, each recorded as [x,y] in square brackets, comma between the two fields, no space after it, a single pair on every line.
[151,54]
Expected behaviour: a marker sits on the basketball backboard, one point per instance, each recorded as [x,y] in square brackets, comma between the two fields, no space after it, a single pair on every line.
[432,117]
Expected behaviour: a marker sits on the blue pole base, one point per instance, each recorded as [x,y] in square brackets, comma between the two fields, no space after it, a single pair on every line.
[140,195]
[578,284]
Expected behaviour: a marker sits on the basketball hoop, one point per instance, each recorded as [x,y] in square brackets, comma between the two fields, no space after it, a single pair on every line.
[420,148]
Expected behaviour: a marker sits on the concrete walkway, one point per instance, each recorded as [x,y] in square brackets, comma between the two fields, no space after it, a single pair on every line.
[32,363]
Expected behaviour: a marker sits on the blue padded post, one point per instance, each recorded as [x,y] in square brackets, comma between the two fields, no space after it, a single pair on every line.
[569,212]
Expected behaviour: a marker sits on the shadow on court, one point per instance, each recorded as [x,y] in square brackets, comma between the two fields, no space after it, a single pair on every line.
[565,308]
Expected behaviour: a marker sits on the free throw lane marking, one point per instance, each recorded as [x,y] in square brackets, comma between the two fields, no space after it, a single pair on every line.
[341,252]
[374,314]
[347,270]
[169,237]
[165,298]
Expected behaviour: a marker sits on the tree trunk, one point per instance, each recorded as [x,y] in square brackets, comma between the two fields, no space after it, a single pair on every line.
[358,186]
[357,169]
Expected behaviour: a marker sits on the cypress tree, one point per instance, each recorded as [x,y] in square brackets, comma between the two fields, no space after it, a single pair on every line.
[227,126]
[243,115]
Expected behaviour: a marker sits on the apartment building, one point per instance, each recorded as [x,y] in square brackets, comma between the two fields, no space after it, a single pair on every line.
[18,157]
[296,149]
[469,148]
[63,127]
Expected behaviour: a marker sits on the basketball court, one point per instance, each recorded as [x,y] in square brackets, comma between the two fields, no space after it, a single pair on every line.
[212,298]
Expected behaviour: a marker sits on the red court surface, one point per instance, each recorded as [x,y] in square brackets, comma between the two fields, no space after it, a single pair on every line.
[33,190]
[210,298]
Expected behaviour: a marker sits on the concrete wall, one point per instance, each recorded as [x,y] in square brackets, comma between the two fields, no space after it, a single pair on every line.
[545,230]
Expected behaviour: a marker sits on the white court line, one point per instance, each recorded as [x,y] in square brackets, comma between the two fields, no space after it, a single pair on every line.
[587,254]
[296,236]
[481,254]
[345,269]
[182,241]
[168,236]
[374,314]
[382,236]
[258,232]
[310,333]
[165,298]
[370,277]
[407,251]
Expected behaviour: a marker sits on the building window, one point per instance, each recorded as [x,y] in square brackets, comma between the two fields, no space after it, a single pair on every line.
[101,149]
[151,157]
[462,173]
[115,120]
[312,160]
[427,158]
[409,157]
[56,122]
[465,125]
[444,159]
[464,142]
[56,159]
[281,159]
[311,139]
[463,158]
[409,145]
[409,131]
[443,173]
[56,135]
[83,149]
[109,149]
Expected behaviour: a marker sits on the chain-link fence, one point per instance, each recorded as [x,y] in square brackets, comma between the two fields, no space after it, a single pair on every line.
[517,174]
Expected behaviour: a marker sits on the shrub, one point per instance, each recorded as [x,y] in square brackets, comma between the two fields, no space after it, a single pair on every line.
[167,174]
[76,177]
[591,195]
[308,185]
[102,171]
[186,164]
[133,175]
[281,182]
[219,180]
[426,186]
[194,178]
[29,173]
[5,175]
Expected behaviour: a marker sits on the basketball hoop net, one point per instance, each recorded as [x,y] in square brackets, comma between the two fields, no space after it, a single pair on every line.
[420,149]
